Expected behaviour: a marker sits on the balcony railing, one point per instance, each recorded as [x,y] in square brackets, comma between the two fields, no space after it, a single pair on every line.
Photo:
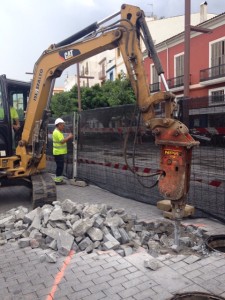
[206,102]
[216,99]
[175,82]
[154,87]
[212,73]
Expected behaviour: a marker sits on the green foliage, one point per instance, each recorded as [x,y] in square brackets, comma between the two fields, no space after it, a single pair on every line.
[118,92]
[63,103]
[93,97]
[111,93]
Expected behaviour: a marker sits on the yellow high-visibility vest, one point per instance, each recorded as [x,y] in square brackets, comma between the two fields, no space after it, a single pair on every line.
[58,147]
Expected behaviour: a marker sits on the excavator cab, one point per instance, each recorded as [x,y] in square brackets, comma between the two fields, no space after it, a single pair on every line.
[12,93]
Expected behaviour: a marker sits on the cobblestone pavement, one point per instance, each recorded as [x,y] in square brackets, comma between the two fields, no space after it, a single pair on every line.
[106,275]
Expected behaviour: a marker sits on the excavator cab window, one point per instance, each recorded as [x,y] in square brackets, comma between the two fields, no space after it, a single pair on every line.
[15,94]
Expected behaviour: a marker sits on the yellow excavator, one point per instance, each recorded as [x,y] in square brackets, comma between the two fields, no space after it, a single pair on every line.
[124,30]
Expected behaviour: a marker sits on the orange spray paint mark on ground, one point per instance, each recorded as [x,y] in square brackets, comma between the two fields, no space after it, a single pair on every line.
[60,275]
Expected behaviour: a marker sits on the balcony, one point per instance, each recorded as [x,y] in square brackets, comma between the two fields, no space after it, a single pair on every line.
[102,75]
[177,82]
[215,74]
[206,104]
[217,100]
[154,87]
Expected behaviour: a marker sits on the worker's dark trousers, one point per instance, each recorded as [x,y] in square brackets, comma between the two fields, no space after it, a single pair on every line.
[59,159]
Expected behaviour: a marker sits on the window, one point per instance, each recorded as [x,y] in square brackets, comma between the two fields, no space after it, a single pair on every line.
[17,103]
[154,87]
[86,69]
[179,70]
[217,96]
[218,58]
[155,76]
[111,76]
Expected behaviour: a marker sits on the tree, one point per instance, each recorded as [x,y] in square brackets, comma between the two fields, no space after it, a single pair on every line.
[111,93]
[63,104]
[118,92]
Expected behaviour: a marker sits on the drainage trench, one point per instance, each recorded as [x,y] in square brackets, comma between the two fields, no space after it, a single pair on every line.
[216,243]
[196,296]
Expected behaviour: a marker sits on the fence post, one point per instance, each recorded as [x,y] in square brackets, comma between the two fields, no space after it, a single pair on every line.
[75,141]
[184,111]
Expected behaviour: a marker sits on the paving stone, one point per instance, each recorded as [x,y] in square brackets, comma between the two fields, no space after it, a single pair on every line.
[96,296]
[129,292]
[80,295]
[193,274]
[163,278]
[192,259]
[146,294]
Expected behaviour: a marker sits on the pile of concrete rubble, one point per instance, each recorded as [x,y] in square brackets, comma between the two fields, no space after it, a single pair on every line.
[84,227]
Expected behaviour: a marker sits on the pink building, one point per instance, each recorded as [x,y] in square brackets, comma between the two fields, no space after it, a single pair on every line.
[207,71]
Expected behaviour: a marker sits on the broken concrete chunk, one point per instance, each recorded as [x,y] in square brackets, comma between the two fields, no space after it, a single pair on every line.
[6,220]
[91,210]
[110,242]
[85,243]
[24,242]
[20,213]
[124,236]
[152,264]
[145,236]
[56,214]
[36,223]
[116,234]
[28,218]
[115,221]
[51,257]
[111,245]
[185,241]
[98,222]
[95,234]
[128,251]
[81,226]
[34,243]
[68,206]
[64,242]
[138,228]
[18,224]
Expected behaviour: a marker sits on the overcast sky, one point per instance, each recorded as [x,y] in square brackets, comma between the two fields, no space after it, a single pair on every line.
[28,27]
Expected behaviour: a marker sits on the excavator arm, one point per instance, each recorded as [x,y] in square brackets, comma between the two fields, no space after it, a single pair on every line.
[126,33]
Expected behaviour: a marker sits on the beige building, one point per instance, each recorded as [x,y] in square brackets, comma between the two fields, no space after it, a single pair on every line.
[109,65]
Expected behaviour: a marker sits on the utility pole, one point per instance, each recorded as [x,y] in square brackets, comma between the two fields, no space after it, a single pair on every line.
[188,29]
[78,85]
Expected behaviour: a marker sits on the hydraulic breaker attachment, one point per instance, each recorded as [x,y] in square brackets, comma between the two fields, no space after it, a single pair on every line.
[175,162]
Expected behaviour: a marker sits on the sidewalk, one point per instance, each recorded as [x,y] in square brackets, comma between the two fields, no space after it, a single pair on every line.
[107,275]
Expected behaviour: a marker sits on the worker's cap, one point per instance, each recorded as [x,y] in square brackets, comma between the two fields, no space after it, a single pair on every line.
[59,120]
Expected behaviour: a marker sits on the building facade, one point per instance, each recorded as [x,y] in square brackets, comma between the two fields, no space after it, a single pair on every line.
[207,71]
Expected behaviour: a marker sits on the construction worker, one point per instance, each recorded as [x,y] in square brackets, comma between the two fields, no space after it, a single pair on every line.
[60,148]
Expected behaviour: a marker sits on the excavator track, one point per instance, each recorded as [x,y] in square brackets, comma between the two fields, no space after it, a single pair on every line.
[43,189]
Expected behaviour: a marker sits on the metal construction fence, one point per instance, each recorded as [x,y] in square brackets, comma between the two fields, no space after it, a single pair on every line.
[116,152]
